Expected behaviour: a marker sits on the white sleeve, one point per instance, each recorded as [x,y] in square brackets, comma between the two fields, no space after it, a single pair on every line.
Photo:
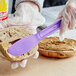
[38,2]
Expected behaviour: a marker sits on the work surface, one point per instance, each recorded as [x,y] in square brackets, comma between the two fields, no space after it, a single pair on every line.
[44,66]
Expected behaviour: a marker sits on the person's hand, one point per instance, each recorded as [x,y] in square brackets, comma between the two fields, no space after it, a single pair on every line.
[68,16]
[25,15]
[23,63]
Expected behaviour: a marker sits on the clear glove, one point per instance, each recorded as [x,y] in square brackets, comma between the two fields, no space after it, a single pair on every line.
[23,63]
[27,16]
[68,16]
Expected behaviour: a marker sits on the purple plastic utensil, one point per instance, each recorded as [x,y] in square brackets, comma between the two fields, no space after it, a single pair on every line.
[26,44]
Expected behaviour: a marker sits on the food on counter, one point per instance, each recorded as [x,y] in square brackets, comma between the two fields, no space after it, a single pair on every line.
[53,47]
[10,35]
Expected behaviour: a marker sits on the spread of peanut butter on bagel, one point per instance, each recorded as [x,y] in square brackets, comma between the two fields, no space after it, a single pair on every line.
[53,47]
[9,36]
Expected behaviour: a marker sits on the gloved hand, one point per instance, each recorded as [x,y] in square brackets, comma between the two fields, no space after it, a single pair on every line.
[68,16]
[23,63]
[25,15]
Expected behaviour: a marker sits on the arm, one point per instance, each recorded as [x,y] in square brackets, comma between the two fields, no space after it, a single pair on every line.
[37,3]
[68,16]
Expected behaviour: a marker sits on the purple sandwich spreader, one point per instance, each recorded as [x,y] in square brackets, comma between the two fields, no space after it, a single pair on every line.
[26,44]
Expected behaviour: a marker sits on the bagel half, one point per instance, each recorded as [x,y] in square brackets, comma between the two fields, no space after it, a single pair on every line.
[9,36]
[53,47]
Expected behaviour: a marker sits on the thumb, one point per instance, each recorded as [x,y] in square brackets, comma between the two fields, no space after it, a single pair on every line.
[10,22]
[61,14]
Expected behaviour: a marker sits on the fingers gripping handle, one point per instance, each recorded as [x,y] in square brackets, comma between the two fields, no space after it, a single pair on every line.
[49,30]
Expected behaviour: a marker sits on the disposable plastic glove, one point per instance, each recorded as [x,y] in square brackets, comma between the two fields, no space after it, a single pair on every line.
[27,16]
[23,63]
[68,16]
